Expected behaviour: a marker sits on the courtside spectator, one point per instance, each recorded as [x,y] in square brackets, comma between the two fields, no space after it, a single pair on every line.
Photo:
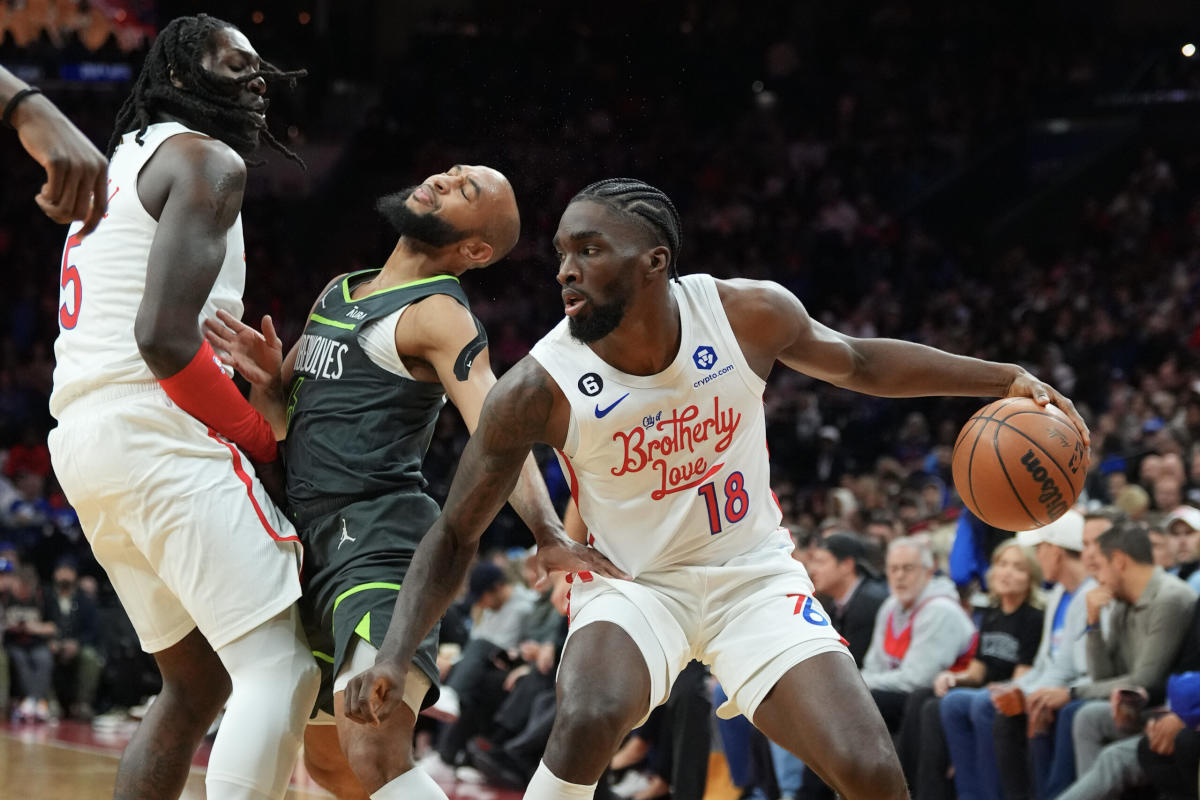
[1150,616]
[850,590]
[1061,659]
[1008,643]
[1183,528]
[76,643]
[920,630]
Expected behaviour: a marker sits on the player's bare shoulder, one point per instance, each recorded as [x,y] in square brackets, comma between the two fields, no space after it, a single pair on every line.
[765,318]
[205,169]
[525,406]
[436,322]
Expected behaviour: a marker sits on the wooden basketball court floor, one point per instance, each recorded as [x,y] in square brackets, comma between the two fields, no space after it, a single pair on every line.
[73,761]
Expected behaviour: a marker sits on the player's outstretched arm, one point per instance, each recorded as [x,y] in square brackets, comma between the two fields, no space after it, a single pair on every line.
[772,324]
[444,333]
[516,414]
[76,172]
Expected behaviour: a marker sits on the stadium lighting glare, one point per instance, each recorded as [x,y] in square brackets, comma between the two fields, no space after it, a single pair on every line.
[1188,50]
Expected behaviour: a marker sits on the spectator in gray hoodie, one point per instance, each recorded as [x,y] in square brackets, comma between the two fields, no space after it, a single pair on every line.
[919,631]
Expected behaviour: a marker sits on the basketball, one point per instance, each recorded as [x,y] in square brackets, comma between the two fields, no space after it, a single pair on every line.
[1018,465]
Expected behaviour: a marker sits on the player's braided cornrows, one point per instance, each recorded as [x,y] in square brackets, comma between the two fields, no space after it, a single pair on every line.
[206,100]
[641,201]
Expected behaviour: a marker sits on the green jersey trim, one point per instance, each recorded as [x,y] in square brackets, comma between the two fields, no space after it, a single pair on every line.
[419,282]
[363,628]
[346,326]
[328,659]
[362,587]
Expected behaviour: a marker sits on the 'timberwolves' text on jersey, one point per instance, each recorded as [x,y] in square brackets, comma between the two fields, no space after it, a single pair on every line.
[354,428]
[103,277]
[669,469]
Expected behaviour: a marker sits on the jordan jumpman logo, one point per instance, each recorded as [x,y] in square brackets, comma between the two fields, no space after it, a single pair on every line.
[345,535]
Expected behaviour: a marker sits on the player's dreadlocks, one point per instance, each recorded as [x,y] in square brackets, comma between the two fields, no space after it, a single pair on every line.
[641,201]
[207,101]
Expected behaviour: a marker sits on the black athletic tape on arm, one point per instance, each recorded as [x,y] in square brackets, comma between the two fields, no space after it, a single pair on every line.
[462,365]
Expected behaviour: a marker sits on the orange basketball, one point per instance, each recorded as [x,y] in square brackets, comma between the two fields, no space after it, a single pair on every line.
[1018,465]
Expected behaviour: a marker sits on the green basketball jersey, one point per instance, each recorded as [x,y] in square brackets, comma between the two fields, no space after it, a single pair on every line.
[355,429]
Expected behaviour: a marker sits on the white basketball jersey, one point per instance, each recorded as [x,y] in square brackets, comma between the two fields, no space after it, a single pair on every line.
[103,276]
[669,469]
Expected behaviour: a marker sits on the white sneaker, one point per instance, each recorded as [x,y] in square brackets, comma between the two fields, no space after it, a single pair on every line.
[465,774]
[25,711]
[631,784]
[438,770]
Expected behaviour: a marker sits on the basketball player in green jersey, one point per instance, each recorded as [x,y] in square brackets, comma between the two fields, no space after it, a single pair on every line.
[364,386]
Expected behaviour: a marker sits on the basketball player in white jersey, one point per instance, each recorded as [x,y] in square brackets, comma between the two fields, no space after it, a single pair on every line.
[651,390]
[155,447]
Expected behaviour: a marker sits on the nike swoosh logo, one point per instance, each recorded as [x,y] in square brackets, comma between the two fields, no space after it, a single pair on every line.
[601,413]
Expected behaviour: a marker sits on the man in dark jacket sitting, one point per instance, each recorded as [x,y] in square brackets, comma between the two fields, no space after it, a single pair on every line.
[849,590]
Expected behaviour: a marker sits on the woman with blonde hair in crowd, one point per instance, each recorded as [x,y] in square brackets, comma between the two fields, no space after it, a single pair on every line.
[1010,630]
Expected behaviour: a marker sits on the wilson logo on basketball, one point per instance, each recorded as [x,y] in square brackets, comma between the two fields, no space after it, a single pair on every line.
[1051,497]
[681,434]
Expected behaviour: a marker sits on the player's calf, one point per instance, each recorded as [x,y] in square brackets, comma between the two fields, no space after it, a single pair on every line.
[157,760]
[382,759]
[326,763]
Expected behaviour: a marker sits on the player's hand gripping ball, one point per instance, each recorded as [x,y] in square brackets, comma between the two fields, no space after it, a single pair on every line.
[1018,465]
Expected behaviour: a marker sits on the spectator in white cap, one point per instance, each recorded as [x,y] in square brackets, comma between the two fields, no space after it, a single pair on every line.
[1030,704]
[1183,527]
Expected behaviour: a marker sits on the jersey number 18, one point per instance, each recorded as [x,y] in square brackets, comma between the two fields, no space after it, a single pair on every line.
[737,502]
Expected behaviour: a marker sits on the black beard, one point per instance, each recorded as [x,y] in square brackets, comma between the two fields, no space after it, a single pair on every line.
[599,322]
[427,229]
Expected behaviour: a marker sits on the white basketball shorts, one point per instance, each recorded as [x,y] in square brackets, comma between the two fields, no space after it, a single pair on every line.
[751,620]
[175,515]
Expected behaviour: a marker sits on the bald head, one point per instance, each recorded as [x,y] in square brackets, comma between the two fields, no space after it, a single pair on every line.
[501,226]
[466,216]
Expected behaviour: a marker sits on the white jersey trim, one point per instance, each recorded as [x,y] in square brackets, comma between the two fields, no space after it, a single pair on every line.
[753,381]
[378,341]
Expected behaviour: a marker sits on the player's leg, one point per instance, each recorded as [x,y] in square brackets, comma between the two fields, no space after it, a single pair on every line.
[627,643]
[327,764]
[821,712]
[155,764]
[603,693]
[788,671]
[195,684]
[274,682]
[382,758]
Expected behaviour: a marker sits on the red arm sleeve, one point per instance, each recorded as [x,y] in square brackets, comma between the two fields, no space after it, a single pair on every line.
[203,390]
